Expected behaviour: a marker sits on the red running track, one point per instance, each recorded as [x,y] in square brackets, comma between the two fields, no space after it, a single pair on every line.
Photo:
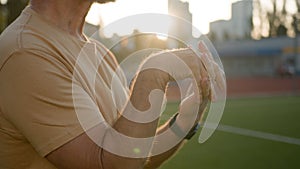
[253,86]
[262,86]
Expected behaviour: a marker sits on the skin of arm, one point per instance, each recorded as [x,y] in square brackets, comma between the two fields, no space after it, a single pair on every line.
[157,160]
[82,152]
[151,79]
[145,82]
[93,156]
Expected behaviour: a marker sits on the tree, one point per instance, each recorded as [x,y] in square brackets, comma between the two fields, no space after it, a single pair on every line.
[212,36]
[275,20]
[15,7]
[3,17]
[10,11]
[281,30]
[296,19]
[226,36]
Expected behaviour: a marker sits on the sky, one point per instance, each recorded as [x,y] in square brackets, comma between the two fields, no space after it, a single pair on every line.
[204,11]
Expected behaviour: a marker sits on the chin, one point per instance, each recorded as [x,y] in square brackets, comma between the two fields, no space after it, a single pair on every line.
[104,1]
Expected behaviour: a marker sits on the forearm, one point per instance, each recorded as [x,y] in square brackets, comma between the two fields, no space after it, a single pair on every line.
[171,136]
[157,160]
[145,83]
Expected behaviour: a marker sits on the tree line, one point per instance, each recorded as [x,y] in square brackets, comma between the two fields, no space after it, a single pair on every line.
[10,10]
[273,18]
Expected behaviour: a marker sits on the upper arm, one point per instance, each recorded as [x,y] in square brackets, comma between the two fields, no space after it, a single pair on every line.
[80,152]
[37,97]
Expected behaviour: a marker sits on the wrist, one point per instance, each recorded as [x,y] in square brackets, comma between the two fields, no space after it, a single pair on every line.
[181,132]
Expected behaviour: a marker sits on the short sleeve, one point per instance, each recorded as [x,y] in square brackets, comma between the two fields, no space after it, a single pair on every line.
[37,97]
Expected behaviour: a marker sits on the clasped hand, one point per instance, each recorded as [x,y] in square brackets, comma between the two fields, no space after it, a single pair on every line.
[209,79]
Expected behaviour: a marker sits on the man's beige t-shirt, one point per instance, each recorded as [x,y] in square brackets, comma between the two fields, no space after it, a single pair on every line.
[46,78]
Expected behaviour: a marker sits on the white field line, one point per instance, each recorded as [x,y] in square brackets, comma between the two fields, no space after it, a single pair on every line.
[258,134]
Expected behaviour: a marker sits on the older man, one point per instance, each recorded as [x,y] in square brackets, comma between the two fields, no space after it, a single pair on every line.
[42,91]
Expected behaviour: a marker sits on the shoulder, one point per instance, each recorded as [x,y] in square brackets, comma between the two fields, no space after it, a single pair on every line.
[10,40]
[18,37]
[29,32]
[106,53]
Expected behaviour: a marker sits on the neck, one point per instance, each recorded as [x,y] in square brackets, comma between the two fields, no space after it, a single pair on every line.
[68,15]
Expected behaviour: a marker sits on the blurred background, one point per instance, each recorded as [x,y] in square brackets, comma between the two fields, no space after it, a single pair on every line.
[258,42]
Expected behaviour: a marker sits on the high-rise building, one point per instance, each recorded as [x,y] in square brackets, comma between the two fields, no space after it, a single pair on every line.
[181,27]
[238,27]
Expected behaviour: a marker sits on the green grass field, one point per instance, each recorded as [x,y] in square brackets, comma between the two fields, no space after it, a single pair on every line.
[226,150]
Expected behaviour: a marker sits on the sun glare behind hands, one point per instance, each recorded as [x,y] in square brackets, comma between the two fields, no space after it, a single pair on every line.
[203,11]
